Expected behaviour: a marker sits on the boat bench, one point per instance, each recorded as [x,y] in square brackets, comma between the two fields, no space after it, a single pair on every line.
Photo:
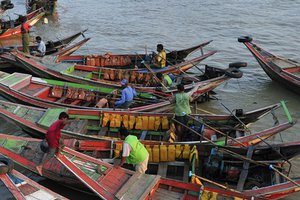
[78,127]
[138,186]
[42,93]
[16,80]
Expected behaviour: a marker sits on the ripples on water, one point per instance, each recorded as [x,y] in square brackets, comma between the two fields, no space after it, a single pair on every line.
[128,26]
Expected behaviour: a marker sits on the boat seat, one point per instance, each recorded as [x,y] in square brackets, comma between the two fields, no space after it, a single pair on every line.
[56,91]
[61,100]
[16,80]
[244,173]
[77,101]
[138,186]
[42,91]
[78,127]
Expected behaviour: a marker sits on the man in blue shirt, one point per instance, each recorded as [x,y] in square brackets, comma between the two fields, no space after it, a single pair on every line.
[41,48]
[128,93]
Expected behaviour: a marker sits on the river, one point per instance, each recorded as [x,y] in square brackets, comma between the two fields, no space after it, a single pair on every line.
[129,26]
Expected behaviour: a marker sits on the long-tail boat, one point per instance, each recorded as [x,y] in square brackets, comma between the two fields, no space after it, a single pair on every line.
[51,46]
[50,93]
[105,125]
[59,47]
[129,60]
[110,182]
[282,70]
[9,31]
[15,185]
[56,49]
[91,75]
[222,164]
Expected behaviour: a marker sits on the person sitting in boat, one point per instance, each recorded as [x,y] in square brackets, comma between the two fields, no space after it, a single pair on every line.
[41,47]
[133,152]
[182,110]
[53,139]
[165,79]
[128,93]
[160,59]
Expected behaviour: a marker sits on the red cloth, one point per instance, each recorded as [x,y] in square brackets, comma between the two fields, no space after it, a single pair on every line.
[25,27]
[53,133]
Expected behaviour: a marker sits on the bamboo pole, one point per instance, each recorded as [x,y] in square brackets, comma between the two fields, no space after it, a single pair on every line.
[214,129]
[285,176]
[215,183]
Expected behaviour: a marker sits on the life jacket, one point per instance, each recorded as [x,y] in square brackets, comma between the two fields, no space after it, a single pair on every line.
[182,106]
[168,79]
[138,152]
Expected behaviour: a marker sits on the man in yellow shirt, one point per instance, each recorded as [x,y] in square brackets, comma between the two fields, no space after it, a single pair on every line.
[160,59]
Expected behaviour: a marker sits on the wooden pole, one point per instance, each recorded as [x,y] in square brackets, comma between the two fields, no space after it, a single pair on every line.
[283,175]
[154,76]
[214,129]
[217,184]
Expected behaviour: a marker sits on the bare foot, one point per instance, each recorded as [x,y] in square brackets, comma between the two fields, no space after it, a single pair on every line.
[39,169]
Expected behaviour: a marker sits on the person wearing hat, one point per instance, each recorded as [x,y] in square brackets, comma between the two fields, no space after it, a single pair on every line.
[128,93]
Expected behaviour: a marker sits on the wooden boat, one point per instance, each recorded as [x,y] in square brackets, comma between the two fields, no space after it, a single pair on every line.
[71,167]
[17,186]
[90,75]
[51,46]
[15,30]
[104,125]
[175,160]
[281,70]
[57,49]
[50,93]
[179,151]
[54,46]
[129,60]
[115,183]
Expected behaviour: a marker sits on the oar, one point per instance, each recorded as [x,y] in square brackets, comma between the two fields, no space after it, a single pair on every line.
[215,183]
[204,136]
[154,76]
[192,64]
[232,114]
[178,68]
[214,129]
[153,73]
[285,176]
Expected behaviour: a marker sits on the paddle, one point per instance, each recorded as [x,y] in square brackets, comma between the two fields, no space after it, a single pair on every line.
[179,67]
[153,73]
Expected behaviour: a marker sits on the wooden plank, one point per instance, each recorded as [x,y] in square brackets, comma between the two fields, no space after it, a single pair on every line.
[138,186]
[166,194]
[244,173]
[103,131]
[77,126]
[143,135]
[162,169]
[93,185]
[61,100]
[186,170]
